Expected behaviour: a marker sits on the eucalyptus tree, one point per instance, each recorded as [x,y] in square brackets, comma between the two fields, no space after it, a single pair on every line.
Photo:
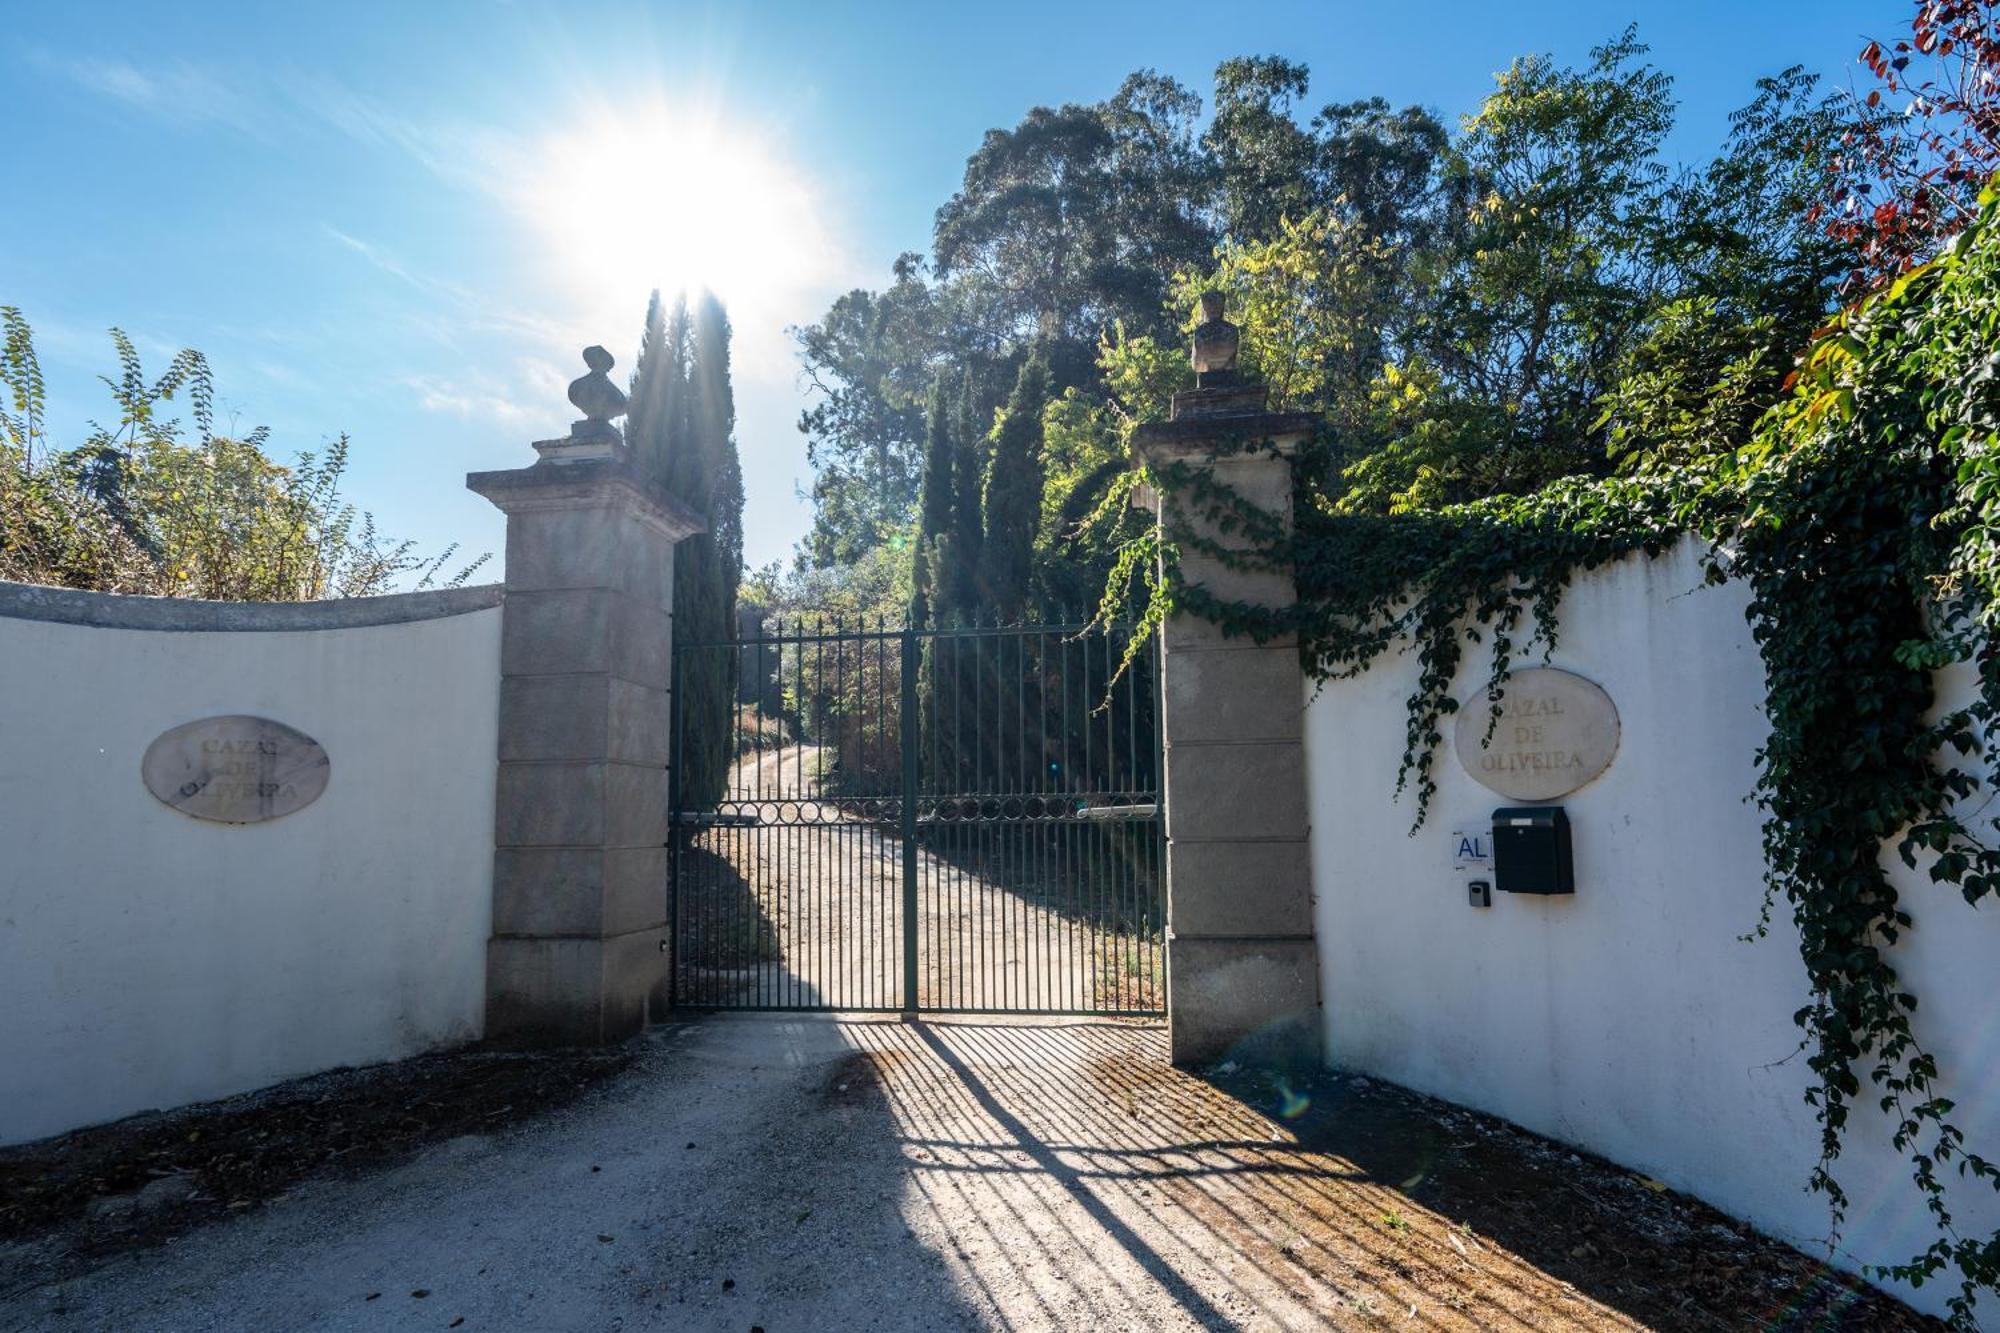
[868,362]
[1077,216]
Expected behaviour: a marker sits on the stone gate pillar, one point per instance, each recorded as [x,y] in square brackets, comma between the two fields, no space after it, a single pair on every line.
[579,952]
[1242,967]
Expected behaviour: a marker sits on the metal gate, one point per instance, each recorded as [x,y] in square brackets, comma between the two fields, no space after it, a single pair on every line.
[943,820]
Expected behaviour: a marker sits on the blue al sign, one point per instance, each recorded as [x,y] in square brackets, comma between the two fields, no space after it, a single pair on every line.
[1472,848]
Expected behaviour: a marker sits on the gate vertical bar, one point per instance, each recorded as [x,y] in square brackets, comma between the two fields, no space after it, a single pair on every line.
[909,820]
[676,900]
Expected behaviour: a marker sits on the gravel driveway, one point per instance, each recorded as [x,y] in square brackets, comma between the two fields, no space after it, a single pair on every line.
[755,1172]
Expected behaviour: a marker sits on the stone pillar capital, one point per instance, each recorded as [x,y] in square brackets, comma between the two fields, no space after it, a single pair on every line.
[607,478]
[1221,439]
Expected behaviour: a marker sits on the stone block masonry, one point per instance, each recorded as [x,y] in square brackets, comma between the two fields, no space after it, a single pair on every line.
[579,953]
[1242,966]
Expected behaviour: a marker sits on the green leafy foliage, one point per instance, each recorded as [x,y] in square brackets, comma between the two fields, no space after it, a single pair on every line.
[1069,225]
[1076,213]
[869,361]
[1455,305]
[832,693]
[1860,510]
[934,561]
[1694,376]
[1860,529]
[1013,499]
[1533,346]
[145,505]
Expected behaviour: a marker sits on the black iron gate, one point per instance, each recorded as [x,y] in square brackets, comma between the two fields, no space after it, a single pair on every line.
[945,820]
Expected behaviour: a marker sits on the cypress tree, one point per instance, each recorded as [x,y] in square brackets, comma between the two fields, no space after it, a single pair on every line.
[932,573]
[656,422]
[681,427]
[959,541]
[708,566]
[936,500]
[715,425]
[643,396]
[1013,498]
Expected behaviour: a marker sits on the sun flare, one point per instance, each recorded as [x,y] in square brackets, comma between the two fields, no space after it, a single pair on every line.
[655,196]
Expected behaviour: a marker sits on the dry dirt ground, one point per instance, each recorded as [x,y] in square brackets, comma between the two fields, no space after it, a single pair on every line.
[812,1173]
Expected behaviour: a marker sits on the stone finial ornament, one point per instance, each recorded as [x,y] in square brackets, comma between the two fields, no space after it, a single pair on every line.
[596,396]
[599,400]
[1216,340]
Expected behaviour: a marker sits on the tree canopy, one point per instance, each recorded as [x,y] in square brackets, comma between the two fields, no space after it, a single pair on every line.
[1467,307]
[1531,343]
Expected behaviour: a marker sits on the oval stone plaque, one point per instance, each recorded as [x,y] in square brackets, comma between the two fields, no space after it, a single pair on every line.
[235,770]
[1556,732]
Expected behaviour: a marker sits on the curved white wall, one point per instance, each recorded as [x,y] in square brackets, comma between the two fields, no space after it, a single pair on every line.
[149,959]
[1631,1019]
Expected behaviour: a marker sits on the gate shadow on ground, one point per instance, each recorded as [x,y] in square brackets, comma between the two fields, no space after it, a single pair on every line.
[1072,1177]
[847,1174]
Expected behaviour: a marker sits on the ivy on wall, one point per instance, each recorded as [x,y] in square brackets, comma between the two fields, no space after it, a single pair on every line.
[1864,516]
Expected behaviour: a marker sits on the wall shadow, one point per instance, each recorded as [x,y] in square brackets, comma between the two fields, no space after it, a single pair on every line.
[1666,1259]
[1073,1174]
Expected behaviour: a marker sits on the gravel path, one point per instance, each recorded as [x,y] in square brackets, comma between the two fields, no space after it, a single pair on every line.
[807,1173]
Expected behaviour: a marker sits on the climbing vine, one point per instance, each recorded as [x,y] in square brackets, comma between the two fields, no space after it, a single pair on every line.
[1862,520]
[1864,517]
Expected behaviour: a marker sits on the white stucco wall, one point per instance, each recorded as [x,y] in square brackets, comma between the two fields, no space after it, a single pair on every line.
[1631,1019]
[149,959]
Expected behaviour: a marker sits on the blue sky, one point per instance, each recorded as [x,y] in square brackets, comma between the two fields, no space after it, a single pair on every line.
[402,221]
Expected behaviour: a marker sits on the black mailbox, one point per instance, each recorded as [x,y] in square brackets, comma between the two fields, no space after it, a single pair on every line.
[1531,850]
